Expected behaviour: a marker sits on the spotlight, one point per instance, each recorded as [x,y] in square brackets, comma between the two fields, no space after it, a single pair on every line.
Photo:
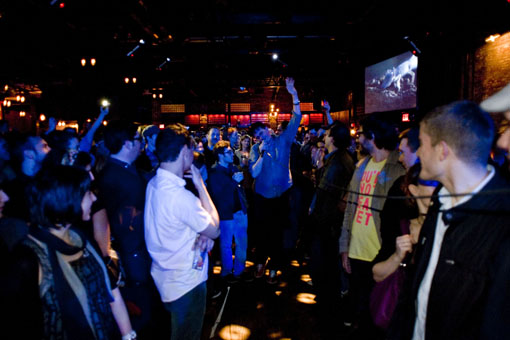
[275,56]
[154,95]
[42,117]
[93,62]
[167,60]
[416,51]
[105,103]
[22,99]
[126,80]
[134,80]
[83,62]
[131,53]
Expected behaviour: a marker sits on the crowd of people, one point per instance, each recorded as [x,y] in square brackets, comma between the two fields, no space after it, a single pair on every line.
[109,235]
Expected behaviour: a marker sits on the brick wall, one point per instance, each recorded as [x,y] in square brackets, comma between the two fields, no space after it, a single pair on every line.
[491,67]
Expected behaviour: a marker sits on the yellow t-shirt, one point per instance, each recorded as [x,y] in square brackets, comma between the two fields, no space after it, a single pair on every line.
[364,244]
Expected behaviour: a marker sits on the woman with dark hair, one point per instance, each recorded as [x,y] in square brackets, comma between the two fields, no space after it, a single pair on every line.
[401,221]
[243,153]
[61,285]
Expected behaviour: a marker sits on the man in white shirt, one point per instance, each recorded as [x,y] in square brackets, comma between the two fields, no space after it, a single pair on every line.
[462,260]
[176,223]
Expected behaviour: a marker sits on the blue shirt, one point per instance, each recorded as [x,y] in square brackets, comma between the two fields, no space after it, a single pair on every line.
[275,178]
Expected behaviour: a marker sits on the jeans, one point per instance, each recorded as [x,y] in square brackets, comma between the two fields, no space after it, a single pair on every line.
[187,314]
[237,229]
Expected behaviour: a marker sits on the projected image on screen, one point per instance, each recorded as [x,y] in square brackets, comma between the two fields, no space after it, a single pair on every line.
[391,84]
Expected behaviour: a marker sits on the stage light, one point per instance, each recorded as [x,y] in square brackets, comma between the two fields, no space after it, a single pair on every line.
[18,97]
[492,38]
[126,80]
[134,80]
[416,51]
[154,95]
[42,117]
[160,95]
[6,87]
[5,102]
[167,60]
[234,332]
[105,123]
[142,41]
[22,99]
[8,103]
[161,126]
[22,113]
[306,298]
[83,62]
[275,56]
[105,103]
[93,62]
[62,5]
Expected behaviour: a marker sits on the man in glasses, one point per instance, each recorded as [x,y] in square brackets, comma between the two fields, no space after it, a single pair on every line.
[229,198]
[360,238]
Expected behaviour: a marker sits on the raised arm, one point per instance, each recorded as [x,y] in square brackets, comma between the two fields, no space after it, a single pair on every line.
[327,108]
[291,130]
[86,141]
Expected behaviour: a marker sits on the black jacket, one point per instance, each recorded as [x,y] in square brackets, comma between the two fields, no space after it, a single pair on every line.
[228,195]
[469,297]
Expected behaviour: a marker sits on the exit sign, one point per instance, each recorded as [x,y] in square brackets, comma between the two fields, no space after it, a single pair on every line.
[405,117]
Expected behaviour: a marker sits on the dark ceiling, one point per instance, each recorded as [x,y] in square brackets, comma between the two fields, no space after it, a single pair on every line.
[216,46]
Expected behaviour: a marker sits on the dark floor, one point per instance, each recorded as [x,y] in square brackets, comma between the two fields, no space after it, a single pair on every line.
[267,311]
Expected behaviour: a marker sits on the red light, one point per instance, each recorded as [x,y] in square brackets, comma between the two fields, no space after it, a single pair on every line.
[62,5]
[414,52]
[405,117]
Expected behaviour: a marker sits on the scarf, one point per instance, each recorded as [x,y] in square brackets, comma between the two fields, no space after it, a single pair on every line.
[71,295]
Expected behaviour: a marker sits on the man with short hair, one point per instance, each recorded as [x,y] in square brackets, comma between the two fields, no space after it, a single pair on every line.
[269,166]
[229,198]
[29,155]
[360,239]
[460,287]
[148,161]
[326,219]
[213,137]
[179,226]
[409,144]
[122,192]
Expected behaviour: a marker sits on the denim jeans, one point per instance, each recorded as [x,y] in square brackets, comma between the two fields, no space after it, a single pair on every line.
[187,314]
[237,229]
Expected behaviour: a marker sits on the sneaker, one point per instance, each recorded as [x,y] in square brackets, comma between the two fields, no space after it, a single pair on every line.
[260,271]
[271,279]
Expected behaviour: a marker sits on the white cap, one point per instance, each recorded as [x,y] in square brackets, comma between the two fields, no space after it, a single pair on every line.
[498,102]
